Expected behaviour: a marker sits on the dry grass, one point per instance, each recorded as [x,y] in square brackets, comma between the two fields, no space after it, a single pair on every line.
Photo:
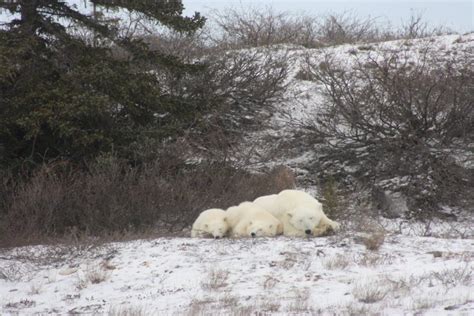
[35,289]
[374,240]
[24,303]
[373,259]
[127,311]
[337,262]
[300,302]
[92,275]
[222,304]
[215,280]
[269,305]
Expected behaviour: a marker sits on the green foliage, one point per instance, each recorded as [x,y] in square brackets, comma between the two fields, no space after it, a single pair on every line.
[62,97]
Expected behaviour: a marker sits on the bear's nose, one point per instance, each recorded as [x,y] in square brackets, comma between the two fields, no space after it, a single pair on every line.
[308,231]
[253,234]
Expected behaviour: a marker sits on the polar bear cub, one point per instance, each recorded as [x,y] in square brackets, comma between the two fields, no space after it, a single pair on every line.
[299,212]
[211,222]
[250,220]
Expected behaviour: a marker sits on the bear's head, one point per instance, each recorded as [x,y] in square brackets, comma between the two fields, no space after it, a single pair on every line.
[304,219]
[264,228]
[218,227]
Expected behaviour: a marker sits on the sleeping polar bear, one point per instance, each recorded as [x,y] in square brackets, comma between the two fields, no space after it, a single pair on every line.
[300,213]
[250,220]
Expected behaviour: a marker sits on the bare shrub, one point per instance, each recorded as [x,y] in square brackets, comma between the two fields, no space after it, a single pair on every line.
[394,122]
[284,178]
[336,29]
[236,90]
[96,275]
[372,259]
[370,292]
[455,277]
[215,280]
[11,272]
[337,262]
[253,27]
[263,26]
[113,198]
[187,47]
[92,275]
[417,27]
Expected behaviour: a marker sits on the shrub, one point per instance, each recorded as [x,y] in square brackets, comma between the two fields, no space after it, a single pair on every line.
[254,27]
[112,197]
[394,122]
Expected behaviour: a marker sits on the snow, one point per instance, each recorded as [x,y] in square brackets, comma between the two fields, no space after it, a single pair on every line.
[174,275]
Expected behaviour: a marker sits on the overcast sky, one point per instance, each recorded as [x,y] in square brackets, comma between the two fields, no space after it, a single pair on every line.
[455,14]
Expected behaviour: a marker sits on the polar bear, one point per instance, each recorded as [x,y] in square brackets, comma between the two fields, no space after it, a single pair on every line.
[250,220]
[211,222]
[300,213]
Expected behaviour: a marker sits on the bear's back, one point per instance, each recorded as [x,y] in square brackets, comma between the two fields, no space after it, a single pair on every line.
[245,210]
[270,203]
[209,215]
[291,199]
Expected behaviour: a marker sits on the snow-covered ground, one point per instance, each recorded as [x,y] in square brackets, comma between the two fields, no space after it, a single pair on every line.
[176,276]
[420,268]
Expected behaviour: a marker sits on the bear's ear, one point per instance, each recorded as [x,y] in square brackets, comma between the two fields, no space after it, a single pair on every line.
[289,214]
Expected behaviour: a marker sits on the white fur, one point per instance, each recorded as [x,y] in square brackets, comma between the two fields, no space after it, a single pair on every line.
[250,220]
[211,222]
[299,212]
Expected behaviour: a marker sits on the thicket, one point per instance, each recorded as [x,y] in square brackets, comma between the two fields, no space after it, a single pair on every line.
[399,123]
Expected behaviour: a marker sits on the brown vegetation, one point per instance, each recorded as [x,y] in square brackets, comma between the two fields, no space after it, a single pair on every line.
[112,197]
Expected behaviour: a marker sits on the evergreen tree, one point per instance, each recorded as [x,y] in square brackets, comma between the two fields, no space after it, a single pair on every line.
[62,96]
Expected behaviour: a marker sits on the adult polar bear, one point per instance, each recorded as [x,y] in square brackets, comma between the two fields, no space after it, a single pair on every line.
[300,213]
[250,220]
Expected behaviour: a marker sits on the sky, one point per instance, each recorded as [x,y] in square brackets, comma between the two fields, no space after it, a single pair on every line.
[457,15]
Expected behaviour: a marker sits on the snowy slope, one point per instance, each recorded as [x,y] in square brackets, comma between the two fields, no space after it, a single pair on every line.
[197,276]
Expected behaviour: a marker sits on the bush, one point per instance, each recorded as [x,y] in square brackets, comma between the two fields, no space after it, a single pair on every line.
[238,90]
[254,27]
[112,197]
[397,123]
[263,26]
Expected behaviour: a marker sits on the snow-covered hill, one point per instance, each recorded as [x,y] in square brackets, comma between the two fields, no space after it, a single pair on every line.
[414,268]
